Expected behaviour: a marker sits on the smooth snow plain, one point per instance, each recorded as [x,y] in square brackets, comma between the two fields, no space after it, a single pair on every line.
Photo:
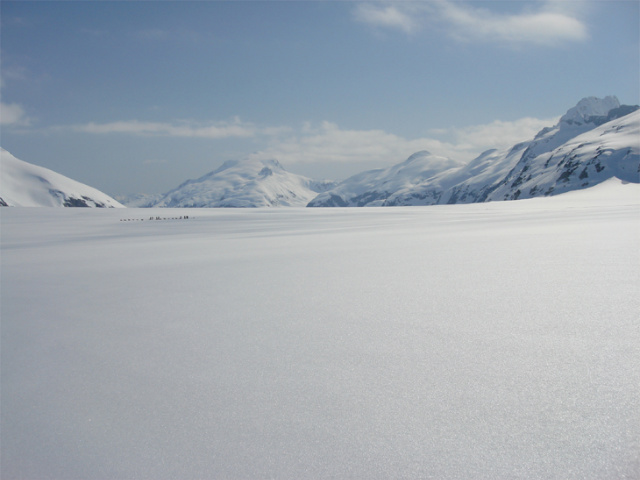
[485,341]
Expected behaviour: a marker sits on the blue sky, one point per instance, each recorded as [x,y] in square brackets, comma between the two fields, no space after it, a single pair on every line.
[139,96]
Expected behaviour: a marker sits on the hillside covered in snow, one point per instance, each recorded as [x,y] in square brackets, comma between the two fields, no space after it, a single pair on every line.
[23,184]
[243,183]
[595,140]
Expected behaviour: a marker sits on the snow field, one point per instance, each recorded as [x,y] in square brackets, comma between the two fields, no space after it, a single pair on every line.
[493,341]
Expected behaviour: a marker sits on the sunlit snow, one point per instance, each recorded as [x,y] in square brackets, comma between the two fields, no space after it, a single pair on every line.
[23,184]
[486,341]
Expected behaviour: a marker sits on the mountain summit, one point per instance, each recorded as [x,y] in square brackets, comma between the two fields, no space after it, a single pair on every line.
[588,108]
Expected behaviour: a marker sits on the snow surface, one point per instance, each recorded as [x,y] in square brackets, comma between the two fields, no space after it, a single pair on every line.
[485,341]
[23,184]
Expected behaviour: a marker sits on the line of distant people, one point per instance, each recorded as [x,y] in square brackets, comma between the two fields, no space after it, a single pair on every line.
[182,217]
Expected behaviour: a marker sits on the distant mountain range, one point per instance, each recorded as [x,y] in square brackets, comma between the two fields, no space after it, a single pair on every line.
[596,140]
[25,185]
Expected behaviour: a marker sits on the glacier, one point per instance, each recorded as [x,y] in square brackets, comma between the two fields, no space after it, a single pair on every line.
[488,341]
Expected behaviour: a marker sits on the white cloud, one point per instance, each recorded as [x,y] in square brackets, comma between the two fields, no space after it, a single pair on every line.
[218,130]
[389,16]
[550,23]
[498,134]
[12,114]
[545,27]
[328,143]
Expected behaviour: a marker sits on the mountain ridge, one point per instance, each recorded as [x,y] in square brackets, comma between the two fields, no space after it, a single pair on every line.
[593,141]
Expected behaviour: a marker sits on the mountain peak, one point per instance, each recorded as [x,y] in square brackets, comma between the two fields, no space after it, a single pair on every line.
[272,164]
[420,154]
[589,109]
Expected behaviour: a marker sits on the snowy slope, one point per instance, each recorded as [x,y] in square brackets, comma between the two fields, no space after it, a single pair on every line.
[595,140]
[488,341]
[25,185]
[374,187]
[578,152]
[244,183]
[610,150]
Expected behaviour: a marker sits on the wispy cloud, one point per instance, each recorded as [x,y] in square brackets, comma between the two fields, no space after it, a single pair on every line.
[161,129]
[497,134]
[13,114]
[546,23]
[547,26]
[386,16]
[212,130]
[328,143]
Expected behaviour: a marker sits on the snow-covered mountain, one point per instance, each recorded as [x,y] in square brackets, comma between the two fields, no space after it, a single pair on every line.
[244,183]
[23,184]
[610,150]
[595,140]
[375,187]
